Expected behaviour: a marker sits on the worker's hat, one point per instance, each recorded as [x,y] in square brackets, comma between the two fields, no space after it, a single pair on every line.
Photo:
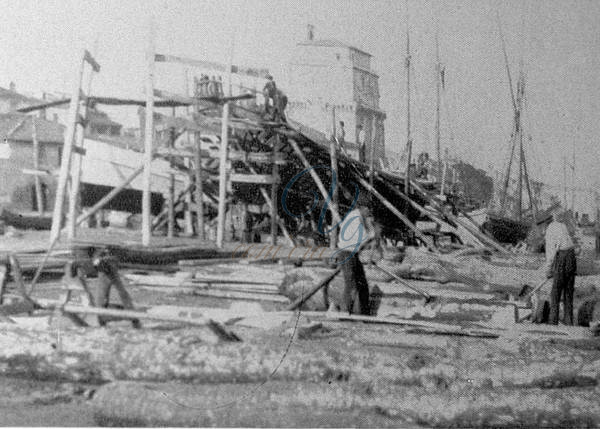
[269,77]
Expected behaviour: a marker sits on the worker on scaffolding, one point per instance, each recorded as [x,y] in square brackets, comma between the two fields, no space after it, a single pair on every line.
[275,101]
[360,140]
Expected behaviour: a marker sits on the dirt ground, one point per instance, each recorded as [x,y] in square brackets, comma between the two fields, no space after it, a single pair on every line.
[312,372]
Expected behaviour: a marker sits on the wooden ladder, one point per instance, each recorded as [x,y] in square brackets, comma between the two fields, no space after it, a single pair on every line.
[70,168]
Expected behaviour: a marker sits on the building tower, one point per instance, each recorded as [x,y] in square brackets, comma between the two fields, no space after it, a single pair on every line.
[327,73]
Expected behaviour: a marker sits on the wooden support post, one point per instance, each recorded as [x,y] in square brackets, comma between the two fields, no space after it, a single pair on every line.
[442,189]
[65,164]
[108,197]
[77,148]
[171,190]
[223,163]
[334,176]
[187,214]
[199,187]
[274,189]
[316,178]
[270,204]
[75,183]
[374,137]
[223,176]
[39,198]
[148,137]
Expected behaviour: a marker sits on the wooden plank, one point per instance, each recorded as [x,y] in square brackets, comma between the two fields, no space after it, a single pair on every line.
[258,157]
[199,186]
[131,314]
[333,154]
[33,172]
[148,140]
[246,296]
[395,211]
[39,197]
[261,179]
[212,65]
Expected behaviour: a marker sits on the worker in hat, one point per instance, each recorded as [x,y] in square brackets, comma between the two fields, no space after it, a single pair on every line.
[270,94]
[561,266]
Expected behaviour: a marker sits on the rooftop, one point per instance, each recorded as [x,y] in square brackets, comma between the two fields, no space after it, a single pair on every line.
[14,95]
[19,127]
[331,43]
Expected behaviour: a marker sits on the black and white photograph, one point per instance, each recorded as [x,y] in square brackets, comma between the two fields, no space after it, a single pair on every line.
[300,213]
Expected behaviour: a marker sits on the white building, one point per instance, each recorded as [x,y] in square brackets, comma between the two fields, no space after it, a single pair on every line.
[328,73]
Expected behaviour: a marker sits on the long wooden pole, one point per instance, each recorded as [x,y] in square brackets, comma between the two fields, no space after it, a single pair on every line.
[408,135]
[148,140]
[223,164]
[395,211]
[76,169]
[333,152]
[36,165]
[189,228]
[171,190]
[374,137]
[438,85]
[65,164]
[199,187]
[274,189]
[315,177]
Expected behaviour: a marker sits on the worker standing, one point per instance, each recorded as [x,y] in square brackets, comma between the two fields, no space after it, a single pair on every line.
[357,227]
[560,265]
[360,140]
[341,135]
[270,94]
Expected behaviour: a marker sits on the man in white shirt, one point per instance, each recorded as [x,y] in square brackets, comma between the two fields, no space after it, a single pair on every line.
[561,265]
[357,227]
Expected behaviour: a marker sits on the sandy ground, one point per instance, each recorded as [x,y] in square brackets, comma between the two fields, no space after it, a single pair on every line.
[326,402]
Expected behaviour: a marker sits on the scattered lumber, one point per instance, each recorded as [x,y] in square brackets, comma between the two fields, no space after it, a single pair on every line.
[221,331]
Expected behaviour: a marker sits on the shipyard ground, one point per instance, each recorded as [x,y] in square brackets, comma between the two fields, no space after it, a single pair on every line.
[303,370]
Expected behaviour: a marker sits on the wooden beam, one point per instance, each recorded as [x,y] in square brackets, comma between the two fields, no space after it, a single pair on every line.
[395,211]
[39,198]
[65,164]
[223,162]
[148,140]
[212,65]
[274,189]
[261,179]
[334,177]
[316,178]
[32,172]
[223,177]
[199,185]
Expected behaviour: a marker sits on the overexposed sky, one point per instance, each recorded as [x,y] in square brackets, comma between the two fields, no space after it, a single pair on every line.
[558,40]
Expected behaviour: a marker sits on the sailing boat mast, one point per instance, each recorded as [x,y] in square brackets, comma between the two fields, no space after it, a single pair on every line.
[438,84]
[519,130]
[408,135]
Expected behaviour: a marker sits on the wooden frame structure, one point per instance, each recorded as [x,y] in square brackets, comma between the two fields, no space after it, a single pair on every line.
[238,165]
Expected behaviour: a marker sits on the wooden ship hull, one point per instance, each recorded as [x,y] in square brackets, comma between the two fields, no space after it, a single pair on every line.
[507,230]
[25,221]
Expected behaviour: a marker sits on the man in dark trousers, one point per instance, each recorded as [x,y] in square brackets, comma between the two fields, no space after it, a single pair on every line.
[561,265]
[270,94]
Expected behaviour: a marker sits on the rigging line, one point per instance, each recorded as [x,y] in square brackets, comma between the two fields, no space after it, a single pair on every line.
[510,83]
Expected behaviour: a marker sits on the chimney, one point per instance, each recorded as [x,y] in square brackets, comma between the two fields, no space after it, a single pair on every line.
[12,86]
[311,32]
